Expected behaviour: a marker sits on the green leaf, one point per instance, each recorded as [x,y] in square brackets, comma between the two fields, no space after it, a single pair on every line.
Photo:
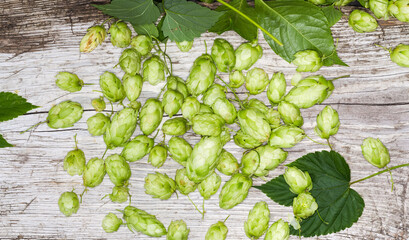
[338,204]
[186,20]
[233,21]
[300,26]
[332,14]
[146,29]
[134,11]
[4,143]
[12,106]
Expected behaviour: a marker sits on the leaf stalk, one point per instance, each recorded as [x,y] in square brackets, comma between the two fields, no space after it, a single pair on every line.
[380,172]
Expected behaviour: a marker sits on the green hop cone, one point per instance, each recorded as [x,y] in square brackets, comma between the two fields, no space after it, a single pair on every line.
[111,223]
[290,114]
[279,230]
[118,170]
[172,102]
[205,109]
[215,92]
[183,184]
[207,124]
[179,150]
[307,61]
[175,126]
[245,141]
[236,79]
[111,87]
[257,220]
[375,152]
[69,82]
[400,55]
[137,148]
[254,124]
[202,75]
[95,36]
[210,185]
[136,105]
[153,70]
[250,162]
[74,162]
[98,104]
[177,84]
[120,34]
[68,203]
[304,205]
[256,81]
[327,123]
[234,191]
[64,114]
[217,231]
[150,116]
[399,9]
[132,86]
[270,158]
[362,21]
[228,164]
[130,61]
[190,107]
[298,180]
[310,91]
[204,158]
[225,109]
[119,194]
[98,124]
[159,185]
[257,104]
[177,230]
[185,46]
[143,44]
[276,89]
[223,55]
[247,54]
[158,156]
[94,172]
[122,127]
[141,221]
[273,118]
[379,8]
[286,136]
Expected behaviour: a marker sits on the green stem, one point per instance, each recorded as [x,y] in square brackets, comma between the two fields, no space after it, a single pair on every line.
[89,84]
[251,21]
[391,178]
[106,149]
[205,46]
[326,144]
[344,76]
[380,172]
[109,19]
[232,90]
[329,144]
[226,219]
[202,213]
[34,126]
[386,49]
[321,218]
[82,194]
[75,140]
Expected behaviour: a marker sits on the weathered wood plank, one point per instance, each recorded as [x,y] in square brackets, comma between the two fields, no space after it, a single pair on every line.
[374,102]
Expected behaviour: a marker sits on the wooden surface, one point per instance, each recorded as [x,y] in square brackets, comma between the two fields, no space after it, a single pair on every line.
[40,38]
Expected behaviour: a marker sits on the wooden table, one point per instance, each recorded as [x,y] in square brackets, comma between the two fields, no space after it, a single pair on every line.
[40,38]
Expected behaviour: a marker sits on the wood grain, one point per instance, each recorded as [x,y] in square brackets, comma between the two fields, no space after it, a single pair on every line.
[42,39]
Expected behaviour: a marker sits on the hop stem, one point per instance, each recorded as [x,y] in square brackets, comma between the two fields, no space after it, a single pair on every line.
[325,144]
[201,212]
[251,21]
[34,126]
[380,172]
[232,90]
